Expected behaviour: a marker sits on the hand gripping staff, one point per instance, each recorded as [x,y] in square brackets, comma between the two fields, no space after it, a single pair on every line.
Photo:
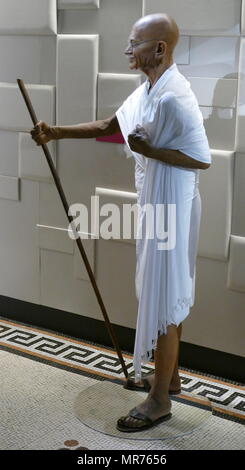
[70,218]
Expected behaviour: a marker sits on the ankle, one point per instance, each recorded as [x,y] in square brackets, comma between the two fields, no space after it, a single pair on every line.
[175,377]
[160,398]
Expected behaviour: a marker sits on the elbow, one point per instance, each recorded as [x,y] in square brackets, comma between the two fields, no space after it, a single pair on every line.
[205,166]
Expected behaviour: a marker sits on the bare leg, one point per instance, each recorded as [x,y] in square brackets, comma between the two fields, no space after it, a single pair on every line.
[157,402]
[175,382]
[175,377]
[166,357]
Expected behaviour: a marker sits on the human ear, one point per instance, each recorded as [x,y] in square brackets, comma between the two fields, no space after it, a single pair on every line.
[162,46]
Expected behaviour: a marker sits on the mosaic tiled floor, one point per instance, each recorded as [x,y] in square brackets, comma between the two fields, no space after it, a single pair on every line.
[227,398]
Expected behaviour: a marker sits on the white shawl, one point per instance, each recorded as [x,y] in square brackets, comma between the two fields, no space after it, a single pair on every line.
[165,279]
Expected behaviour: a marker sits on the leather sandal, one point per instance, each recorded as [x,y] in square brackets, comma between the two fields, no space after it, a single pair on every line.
[145,387]
[149,423]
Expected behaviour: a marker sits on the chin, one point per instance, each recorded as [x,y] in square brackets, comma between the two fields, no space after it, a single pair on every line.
[133,65]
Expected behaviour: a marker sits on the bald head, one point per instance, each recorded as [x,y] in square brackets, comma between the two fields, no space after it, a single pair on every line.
[159,26]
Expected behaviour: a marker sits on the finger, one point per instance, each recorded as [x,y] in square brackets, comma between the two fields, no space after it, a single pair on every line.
[138,138]
[132,144]
[35,136]
[137,133]
[38,126]
[40,139]
[135,136]
[135,130]
[140,133]
[35,131]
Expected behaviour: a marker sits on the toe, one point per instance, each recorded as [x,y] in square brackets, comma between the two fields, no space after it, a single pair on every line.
[130,422]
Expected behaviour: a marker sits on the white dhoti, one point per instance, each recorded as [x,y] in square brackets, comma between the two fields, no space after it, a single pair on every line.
[165,278]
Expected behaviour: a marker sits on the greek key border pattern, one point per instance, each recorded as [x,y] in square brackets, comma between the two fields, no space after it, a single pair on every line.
[75,355]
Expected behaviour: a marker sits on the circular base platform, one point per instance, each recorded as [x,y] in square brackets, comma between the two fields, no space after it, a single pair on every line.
[101,405]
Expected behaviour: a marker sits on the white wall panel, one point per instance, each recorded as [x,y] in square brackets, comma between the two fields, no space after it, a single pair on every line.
[9,153]
[236,267]
[112,22]
[80,271]
[51,211]
[14,115]
[78,4]
[60,290]
[243,18]
[28,17]
[31,58]
[77,68]
[115,270]
[119,198]
[182,51]
[238,221]
[214,92]
[113,89]
[32,161]
[216,189]
[213,57]
[220,126]
[240,137]
[19,253]
[216,320]
[55,239]
[9,187]
[85,163]
[202,17]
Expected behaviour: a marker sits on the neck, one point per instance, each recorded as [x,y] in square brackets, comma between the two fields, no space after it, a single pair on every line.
[155,73]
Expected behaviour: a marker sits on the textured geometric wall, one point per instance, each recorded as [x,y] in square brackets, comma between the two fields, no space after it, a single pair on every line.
[70,56]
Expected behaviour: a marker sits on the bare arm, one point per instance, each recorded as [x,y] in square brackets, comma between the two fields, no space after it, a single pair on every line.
[139,142]
[42,133]
[89,129]
[177,158]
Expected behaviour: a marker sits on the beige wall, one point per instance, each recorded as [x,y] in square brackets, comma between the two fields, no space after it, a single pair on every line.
[72,61]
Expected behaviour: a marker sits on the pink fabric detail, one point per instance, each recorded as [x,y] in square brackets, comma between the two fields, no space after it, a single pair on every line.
[115,138]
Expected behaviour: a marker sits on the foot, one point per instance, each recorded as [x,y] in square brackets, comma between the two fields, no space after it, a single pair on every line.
[151,408]
[174,385]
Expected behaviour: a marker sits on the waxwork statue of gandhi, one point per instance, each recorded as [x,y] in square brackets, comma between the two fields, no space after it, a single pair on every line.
[150,50]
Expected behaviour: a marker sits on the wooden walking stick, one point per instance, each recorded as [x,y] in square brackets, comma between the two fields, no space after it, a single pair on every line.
[70,218]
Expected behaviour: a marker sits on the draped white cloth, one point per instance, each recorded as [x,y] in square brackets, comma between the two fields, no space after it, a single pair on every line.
[165,278]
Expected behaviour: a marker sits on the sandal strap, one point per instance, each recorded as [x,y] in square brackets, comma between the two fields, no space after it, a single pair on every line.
[136,414]
[146,386]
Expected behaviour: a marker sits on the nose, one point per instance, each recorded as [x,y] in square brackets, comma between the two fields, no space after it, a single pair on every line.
[128,49]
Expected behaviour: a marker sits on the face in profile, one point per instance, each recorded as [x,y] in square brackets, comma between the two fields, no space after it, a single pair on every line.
[141,50]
